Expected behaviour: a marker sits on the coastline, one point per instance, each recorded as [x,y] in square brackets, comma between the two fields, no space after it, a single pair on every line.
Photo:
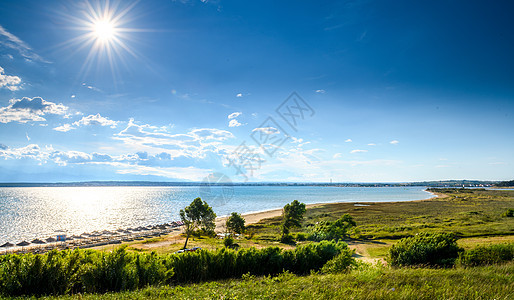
[255,217]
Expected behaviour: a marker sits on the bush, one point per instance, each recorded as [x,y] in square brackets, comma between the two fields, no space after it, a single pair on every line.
[78,271]
[228,241]
[300,236]
[326,230]
[341,263]
[431,249]
[287,239]
[509,213]
[60,272]
[487,255]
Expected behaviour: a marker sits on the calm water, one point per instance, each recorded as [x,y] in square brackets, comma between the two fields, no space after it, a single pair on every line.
[30,212]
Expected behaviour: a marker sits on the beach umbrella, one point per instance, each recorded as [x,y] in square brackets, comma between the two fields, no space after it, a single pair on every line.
[23,244]
[6,245]
[50,240]
[37,241]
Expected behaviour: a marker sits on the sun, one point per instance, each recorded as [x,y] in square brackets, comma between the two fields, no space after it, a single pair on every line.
[104,30]
[105,34]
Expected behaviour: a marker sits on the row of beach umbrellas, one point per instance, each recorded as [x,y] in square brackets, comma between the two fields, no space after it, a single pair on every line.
[92,235]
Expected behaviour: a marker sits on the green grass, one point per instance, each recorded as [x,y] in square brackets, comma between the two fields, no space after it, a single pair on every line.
[467,213]
[491,282]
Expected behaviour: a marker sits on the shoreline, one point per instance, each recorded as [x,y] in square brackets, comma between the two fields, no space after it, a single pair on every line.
[255,217]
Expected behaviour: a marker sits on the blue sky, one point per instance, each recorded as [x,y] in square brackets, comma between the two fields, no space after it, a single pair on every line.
[177,90]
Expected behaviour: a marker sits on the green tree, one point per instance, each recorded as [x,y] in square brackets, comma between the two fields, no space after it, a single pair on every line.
[197,215]
[292,217]
[235,223]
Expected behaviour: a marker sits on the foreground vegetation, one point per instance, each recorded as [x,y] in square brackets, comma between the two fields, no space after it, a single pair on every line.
[366,282]
[78,271]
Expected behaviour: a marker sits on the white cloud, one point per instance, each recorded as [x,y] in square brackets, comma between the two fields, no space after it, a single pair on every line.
[9,40]
[212,134]
[394,142]
[358,151]
[372,144]
[348,141]
[197,143]
[72,96]
[96,120]
[239,95]
[27,136]
[234,115]
[91,120]
[267,130]
[90,87]
[31,151]
[64,128]
[338,155]
[9,82]
[234,123]
[320,91]
[30,109]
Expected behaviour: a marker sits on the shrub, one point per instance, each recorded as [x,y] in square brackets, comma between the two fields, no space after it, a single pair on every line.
[228,241]
[78,271]
[509,213]
[487,255]
[287,239]
[300,236]
[326,230]
[341,263]
[431,249]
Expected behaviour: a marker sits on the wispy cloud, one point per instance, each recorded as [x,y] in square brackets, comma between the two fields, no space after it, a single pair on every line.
[30,109]
[338,155]
[394,142]
[9,82]
[64,128]
[234,115]
[239,95]
[372,144]
[90,87]
[320,91]
[267,130]
[96,120]
[91,120]
[11,41]
[348,141]
[234,123]
[358,151]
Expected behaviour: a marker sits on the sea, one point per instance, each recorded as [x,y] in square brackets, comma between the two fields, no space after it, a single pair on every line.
[27,213]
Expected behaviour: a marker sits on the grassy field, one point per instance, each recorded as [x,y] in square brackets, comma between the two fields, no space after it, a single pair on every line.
[368,282]
[465,212]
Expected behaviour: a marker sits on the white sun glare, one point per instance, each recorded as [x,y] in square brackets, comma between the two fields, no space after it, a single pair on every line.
[105,35]
[104,30]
